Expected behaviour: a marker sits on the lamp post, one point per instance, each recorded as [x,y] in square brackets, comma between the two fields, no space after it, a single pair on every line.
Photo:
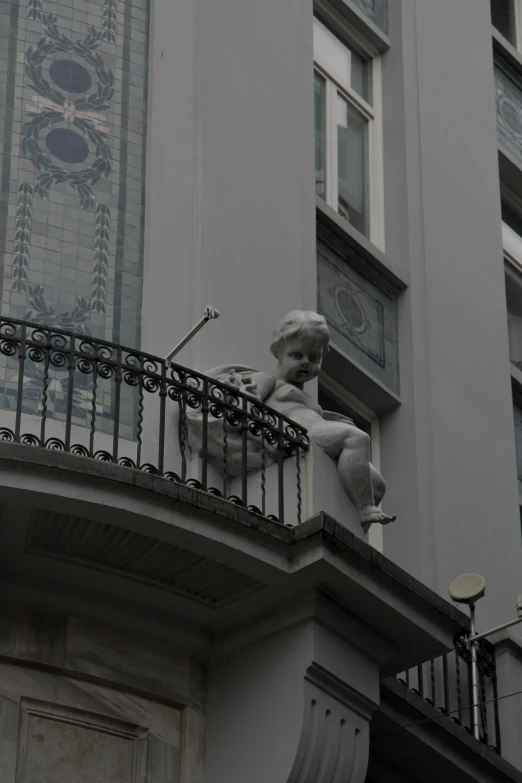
[467,589]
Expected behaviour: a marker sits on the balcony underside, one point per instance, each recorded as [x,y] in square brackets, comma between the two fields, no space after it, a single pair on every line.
[76,532]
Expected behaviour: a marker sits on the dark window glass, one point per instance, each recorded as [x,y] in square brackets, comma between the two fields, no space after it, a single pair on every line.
[514,312]
[503,18]
[511,219]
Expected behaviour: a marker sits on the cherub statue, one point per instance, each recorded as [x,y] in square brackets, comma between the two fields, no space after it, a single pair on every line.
[298,344]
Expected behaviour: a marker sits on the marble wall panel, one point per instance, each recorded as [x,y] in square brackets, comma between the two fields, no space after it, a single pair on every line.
[54,729]
[88,650]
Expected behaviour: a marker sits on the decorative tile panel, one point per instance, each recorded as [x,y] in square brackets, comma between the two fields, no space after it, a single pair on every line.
[73,111]
[376,10]
[362,318]
[508,93]
[73,92]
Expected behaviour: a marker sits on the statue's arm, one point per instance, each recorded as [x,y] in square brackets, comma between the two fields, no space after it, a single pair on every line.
[260,385]
[257,384]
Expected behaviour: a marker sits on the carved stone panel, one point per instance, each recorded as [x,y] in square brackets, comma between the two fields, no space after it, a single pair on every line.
[56,729]
[58,744]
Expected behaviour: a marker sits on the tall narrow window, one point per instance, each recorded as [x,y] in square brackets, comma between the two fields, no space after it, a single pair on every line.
[514,313]
[320,135]
[352,165]
[504,18]
[348,156]
[512,234]
[512,244]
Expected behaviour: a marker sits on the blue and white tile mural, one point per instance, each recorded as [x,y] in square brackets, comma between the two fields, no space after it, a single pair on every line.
[73,75]
[362,318]
[73,111]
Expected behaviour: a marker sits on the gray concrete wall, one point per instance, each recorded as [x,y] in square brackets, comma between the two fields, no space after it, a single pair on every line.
[231,211]
[449,452]
[231,223]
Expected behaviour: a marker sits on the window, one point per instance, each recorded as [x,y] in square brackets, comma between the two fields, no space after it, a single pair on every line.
[512,234]
[514,314]
[348,144]
[512,245]
[504,18]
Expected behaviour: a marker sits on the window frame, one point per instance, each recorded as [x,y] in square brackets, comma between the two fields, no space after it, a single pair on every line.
[514,203]
[343,397]
[372,114]
[517,25]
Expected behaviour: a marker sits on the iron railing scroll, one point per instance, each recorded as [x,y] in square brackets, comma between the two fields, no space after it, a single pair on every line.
[91,398]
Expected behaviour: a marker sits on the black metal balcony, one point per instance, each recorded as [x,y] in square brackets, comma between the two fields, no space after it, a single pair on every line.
[91,398]
[445,683]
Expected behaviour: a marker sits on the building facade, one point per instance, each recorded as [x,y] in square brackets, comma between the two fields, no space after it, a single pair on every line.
[173,611]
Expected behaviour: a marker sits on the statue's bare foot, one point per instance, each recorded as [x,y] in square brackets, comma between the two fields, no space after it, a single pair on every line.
[372,515]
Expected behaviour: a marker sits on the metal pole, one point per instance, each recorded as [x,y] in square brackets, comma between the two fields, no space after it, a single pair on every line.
[210,312]
[496,629]
[475,687]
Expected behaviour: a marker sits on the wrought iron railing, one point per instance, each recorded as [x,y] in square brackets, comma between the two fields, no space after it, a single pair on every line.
[445,683]
[88,397]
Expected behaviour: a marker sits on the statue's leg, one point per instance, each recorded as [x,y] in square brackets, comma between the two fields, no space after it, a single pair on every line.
[354,468]
[361,481]
[351,447]
[379,485]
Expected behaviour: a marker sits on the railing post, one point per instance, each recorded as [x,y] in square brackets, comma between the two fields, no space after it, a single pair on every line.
[445,684]
[45,387]
[70,391]
[280,472]
[20,389]
[498,738]
[204,436]
[244,451]
[163,402]
[117,403]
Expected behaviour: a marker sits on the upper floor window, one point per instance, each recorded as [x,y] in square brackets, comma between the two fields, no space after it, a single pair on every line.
[505,16]
[348,143]
[512,235]
[512,245]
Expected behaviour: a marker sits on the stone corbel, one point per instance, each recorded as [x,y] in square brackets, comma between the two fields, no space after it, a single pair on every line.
[293,707]
[334,742]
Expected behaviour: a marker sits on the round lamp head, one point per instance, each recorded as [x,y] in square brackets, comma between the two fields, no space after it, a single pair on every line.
[468,588]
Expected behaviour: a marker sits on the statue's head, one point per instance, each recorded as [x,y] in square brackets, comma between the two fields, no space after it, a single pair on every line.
[299,341]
